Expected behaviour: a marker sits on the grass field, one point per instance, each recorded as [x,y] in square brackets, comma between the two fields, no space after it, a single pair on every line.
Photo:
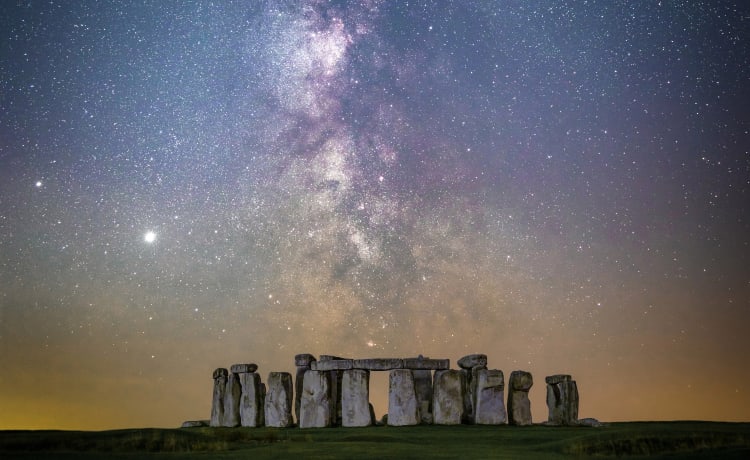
[689,440]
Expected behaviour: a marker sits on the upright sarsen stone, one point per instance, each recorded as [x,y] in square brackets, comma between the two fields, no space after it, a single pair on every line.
[232,401]
[489,397]
[519,405]
[278,401]
[355,394]
[562,400]
[403,408]
[423,390]
[448,397]
[315,403]
[302,362]
[217,402]
[251,401]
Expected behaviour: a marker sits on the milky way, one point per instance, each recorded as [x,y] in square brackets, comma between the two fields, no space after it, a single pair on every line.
[183,186]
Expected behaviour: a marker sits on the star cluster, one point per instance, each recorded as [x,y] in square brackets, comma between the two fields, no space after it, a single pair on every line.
[561,186]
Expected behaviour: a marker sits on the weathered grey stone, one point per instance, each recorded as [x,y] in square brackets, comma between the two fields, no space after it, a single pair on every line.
[448,397]
[303,360]
[403,408]
[427,364]
[232,401]
[315,404]
[278,404]
[489,397]
[332,364]
[378,364]
[330,358]
[261,410]
[355,394]
[217,403]
[335,379]
[220,372]
[251,400]
[298,385]
[520,380]
[592,422]
[423,390]
[243,368]
[195,423]
[519,405]
[469,361]
[562,400]
[558,378]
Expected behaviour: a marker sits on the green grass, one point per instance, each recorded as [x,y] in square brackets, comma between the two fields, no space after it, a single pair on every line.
[691,440]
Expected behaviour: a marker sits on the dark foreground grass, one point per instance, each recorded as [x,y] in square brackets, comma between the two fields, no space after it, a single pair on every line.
[690,440]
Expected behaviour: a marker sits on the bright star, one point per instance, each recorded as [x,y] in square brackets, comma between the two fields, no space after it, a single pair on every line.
[149,237]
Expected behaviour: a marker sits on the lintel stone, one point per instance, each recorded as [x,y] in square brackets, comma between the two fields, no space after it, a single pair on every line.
[379,364]
[426,364]
[244,368]
[332,365]
[559,378]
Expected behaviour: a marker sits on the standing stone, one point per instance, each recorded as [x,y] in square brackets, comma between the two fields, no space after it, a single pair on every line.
[448,397]
[232,401]
[302,362]
[251,401]
[261,408]
[278,401]
[423,390]
[217,403]
[315,404]
[403,408]
[562,400]
[355,395]
[519,405]
[489,397]
[336,376]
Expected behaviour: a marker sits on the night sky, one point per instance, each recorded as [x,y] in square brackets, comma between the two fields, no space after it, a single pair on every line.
[563,186]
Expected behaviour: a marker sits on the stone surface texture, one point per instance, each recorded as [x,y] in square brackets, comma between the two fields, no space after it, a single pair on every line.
[562,400]
[303,360]
[315,404]
[355,398]
[403,408]
[423,390]
[519,405]
[251,400]
[232,401]
[489,397]
[217,402]
[448,397]
[469,361]
[195,423]
[278,403]
[243,368]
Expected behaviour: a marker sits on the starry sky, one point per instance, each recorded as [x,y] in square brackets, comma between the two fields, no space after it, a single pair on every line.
[185,185]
